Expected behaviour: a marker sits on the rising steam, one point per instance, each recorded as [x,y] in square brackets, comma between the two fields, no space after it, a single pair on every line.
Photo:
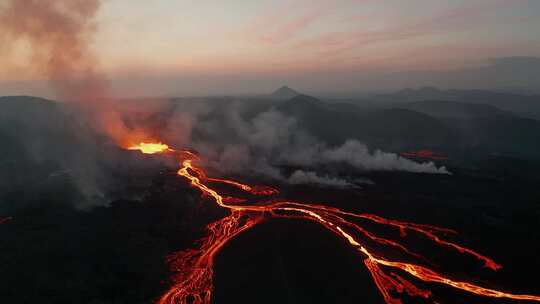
[300,177]
[235,144]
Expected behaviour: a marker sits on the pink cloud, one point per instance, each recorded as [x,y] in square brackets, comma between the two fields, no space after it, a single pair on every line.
[457,19]
[289,29]
[288,21]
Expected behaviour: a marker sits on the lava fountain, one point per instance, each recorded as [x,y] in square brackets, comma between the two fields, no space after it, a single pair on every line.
[393,277]
[151,148]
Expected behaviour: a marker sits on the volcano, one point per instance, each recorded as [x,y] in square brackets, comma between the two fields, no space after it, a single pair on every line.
[284,93]
[168,172]
[191,233]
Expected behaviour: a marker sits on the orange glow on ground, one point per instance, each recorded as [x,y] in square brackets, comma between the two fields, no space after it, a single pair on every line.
[424,154]
[193,282]
[151,148]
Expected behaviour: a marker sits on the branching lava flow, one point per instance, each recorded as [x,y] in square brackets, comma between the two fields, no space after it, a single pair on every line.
[194,267]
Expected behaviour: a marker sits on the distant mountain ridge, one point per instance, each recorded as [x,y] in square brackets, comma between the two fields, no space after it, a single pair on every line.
[445,125]
[527,106]
[453,109]
[398,126]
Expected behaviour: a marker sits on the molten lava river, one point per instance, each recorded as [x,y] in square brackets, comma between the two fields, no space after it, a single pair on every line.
[392,276]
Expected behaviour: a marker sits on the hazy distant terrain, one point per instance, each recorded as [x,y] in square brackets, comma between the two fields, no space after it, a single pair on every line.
[55,143]
[92,221]
[523,105]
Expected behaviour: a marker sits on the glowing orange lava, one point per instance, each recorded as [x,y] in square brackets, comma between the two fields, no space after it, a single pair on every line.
[194,267]
[151,148]
[424,154]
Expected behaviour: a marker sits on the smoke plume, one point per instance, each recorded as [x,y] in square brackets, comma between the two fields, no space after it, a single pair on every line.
[56,35]
[53,37]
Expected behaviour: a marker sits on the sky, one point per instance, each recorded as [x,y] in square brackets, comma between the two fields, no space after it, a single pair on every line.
[211,47]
